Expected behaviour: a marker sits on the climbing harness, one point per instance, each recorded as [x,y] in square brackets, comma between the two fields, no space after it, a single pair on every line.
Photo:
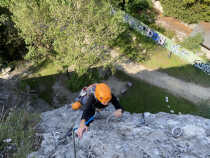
[85,93]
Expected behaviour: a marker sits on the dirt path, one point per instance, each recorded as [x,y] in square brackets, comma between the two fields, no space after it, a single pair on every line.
[189,91]
[173,24]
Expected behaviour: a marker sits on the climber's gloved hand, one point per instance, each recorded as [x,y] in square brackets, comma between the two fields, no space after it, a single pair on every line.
[118,113]
[82,129]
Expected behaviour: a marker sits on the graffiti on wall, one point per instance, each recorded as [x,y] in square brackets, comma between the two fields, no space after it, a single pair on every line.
[203,66]
[159,39]
[167,43]
[156,37]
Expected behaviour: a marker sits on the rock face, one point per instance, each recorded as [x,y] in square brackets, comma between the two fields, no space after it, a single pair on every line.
[11,97]
[8,95]
[61,95]
[157,5]
[162,135]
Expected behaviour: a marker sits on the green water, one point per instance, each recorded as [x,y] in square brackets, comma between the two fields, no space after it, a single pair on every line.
[143,97]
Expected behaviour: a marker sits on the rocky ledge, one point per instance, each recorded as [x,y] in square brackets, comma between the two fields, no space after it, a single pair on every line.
[161,135]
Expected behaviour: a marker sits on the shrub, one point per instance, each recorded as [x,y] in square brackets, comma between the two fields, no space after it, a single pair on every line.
[67,31]
[12,46]
[168,33]
[46,84]
[84,78]
[18,126]
[190,11]
[134,45]
[140,9]
[4,3]
[193,43]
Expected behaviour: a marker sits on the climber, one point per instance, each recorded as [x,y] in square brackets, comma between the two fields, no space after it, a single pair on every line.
[95,97]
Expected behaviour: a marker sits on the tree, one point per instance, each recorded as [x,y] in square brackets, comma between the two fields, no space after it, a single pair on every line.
[12,47]
[190,11]
[68,31]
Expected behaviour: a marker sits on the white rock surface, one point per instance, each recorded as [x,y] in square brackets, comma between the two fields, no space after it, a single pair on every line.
[163,135]
[7,140]
[157,5]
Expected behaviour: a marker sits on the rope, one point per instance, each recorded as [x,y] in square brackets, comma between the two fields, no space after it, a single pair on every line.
[74,144]
[73,134]
[86,123]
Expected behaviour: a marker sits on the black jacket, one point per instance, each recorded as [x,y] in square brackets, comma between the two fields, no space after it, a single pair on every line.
[93,103]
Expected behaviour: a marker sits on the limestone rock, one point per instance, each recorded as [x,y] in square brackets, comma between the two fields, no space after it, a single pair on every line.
[123,91]
[62,95]
[163,135]
[171,111]
[6,70]
[9,140]
[12,96]
[157,5]
[129,84]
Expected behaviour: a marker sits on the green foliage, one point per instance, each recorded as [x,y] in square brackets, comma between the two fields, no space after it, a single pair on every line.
[12,47]
[84,78]
[67,31]
[193,1]
[1,62]
[43,86]
[167,33]
[193,43]
[4,3]
[22,86]
[176,67]
[144,97]
[137,5]
[140,9]
[190,11]
[18,126]
[189,1]
[134,45]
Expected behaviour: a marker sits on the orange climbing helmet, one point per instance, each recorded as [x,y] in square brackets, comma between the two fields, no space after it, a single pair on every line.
[76,105]
[103,93]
